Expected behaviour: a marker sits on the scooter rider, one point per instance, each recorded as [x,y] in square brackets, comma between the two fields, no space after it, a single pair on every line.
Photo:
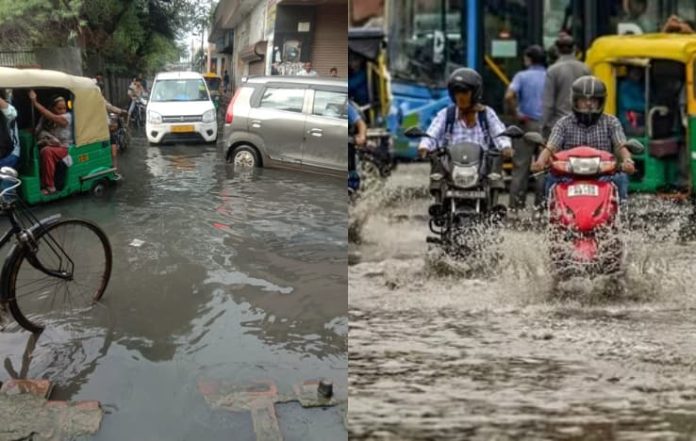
[467,120]
[589,125]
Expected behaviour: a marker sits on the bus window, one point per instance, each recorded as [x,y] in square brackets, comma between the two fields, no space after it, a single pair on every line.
[426,42]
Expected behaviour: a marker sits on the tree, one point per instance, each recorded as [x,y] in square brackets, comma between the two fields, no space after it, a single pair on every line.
[124,36]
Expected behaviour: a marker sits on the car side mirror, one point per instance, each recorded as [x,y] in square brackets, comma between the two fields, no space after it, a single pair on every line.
[415,132]
[635,147]
[511,132]
[534,138]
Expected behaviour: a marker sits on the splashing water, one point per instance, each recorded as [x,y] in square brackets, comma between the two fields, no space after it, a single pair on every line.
[442,350]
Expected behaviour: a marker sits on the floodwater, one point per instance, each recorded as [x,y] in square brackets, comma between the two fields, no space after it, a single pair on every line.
[218,276]
[436,355]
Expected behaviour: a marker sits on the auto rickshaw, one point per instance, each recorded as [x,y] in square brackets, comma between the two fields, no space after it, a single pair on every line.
[92,167]
[369,88]
[214,83]
[650,88]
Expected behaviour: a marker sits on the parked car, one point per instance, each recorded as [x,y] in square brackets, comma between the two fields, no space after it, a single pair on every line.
[180,109]
[291,122]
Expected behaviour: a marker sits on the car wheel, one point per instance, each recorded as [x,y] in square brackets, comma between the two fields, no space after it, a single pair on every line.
[245,156]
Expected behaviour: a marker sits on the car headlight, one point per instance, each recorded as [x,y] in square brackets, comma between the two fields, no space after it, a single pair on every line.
[209,116]
[465,176]
[154,117]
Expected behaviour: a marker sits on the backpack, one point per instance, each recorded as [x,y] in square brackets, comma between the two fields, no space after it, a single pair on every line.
[482,120]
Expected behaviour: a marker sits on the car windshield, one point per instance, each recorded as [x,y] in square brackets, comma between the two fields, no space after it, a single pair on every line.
[180,90]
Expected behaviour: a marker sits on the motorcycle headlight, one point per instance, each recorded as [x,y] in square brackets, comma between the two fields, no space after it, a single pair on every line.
[465,176]
[154,117]
[584,166]
[209,116]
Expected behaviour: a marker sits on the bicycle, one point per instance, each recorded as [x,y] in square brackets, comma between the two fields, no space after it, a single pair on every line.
[53,260]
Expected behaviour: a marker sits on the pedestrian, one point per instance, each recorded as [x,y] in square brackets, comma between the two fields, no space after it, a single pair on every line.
[226,81]
[559,79]
[588,125]
[143,82]
[99,78]
[135,91]
[333,72]
[524,97]
[307,71]
[357,131]
[677,25]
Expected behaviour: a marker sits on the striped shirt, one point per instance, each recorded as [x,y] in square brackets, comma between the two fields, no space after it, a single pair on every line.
[462,133]
[607,134]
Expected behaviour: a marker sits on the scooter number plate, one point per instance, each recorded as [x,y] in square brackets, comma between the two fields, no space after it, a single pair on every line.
[583,190]
[465,194]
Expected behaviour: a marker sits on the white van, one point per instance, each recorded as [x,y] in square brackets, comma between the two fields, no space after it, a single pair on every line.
[180,109]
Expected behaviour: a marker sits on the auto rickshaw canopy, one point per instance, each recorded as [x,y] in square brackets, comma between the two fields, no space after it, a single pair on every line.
[89,107]
[676,47]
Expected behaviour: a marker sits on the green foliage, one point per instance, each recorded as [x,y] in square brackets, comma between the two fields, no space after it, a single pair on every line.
[125,36]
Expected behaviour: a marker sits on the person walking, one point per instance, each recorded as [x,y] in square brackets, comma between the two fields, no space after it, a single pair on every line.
[559,80]
[524,96]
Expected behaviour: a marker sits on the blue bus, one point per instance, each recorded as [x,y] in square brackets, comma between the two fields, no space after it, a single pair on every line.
[428,39]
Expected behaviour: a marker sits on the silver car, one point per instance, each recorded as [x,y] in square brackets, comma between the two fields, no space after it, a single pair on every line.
[291,122]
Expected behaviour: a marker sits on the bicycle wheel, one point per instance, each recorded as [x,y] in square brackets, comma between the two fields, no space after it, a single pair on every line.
[75,247]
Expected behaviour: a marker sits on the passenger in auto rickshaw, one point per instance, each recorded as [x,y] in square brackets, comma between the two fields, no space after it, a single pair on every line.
[54,133]
[9,137]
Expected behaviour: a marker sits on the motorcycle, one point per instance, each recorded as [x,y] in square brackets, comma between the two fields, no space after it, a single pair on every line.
[137,117]
[584,214]
[374,162]
[466,194]
[117,127]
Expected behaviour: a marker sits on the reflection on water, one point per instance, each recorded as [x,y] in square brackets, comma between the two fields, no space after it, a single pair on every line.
[216,275]
[434,355]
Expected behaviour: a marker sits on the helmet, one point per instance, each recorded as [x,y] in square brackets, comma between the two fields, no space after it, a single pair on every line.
[536,54]
[465,79]
[588,86]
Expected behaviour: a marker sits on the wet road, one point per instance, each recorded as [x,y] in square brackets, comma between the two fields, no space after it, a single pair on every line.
[434,355]
[217,276]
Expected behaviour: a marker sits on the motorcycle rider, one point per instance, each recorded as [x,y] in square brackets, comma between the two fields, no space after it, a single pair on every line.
[589,125]
[467,120]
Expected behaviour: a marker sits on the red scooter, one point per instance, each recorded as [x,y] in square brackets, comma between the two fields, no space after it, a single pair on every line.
[583,214]
[583,211]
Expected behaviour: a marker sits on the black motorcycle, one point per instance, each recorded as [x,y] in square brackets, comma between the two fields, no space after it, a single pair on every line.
[120,133]
[465,182]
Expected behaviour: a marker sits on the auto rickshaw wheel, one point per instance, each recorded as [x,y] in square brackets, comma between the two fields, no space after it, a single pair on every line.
[99,188]
[244,156]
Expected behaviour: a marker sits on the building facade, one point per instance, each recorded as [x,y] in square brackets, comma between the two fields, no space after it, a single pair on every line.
[276,37]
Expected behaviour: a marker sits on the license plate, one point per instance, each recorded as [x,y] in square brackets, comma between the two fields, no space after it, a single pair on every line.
[182,129]
[583,190]
[465,194]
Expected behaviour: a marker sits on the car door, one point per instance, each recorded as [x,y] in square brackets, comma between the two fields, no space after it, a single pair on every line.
[279,120]
[326,129]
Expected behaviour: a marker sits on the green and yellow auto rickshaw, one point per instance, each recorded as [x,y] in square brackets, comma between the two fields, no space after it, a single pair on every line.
[650,85]
[214,83]
[92,167]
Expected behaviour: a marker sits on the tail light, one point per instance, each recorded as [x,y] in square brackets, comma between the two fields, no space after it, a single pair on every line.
[229,116]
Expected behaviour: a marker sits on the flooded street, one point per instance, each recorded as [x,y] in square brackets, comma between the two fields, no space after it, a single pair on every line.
[434,355]
[218,276]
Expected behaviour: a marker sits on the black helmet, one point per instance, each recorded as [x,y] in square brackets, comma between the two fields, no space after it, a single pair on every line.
[464,79]
[536,54]
[588,86]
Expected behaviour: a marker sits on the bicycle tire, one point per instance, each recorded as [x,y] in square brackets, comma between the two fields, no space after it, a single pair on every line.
[31,313]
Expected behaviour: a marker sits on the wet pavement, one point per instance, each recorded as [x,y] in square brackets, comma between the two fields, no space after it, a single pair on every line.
[435,355]
[218,276]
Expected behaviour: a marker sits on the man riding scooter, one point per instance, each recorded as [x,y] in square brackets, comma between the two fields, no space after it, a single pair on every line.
[588,125]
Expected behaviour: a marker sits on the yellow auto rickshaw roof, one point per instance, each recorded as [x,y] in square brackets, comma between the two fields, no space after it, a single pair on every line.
[89,108]
[211,75]
[677,47]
